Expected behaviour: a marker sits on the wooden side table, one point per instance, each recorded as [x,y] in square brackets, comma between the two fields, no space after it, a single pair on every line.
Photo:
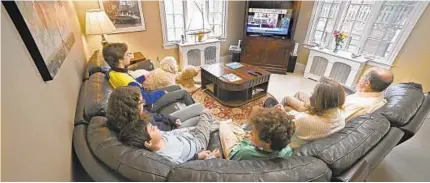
[137,57]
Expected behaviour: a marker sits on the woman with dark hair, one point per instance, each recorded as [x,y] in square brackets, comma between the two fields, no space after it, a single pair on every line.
[322,114]
[125,106]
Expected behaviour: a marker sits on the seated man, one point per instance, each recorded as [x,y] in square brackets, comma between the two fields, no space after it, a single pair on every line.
[369,96]
[271,132]
[370,93]
[179,146]
[116,55]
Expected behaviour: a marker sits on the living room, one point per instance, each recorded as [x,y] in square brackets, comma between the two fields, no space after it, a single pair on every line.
[43,124]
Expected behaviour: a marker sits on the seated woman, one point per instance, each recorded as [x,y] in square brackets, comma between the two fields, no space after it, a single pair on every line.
[116,55]
[125,105]
[323,115]
[270,135]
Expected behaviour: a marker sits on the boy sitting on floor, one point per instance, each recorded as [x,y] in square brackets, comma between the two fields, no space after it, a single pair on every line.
[179,146]
[271,132]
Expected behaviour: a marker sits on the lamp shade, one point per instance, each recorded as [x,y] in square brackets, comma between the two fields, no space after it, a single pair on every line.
[97,22]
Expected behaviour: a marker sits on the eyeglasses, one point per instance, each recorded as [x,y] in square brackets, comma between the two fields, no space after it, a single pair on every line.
[129,54]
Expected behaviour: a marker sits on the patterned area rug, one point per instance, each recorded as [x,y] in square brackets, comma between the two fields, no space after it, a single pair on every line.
[239,115]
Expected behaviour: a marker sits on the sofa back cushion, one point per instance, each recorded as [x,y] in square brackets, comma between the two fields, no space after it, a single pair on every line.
[142,165]
[97,93]
[96,60]
[295,169]
[342,149]
[403,101]
[133,163]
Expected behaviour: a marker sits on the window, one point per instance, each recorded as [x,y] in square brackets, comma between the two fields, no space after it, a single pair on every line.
[376,29]
[178,16]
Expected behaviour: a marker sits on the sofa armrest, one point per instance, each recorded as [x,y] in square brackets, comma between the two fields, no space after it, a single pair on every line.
[412,127]
[97,170]
[356,173]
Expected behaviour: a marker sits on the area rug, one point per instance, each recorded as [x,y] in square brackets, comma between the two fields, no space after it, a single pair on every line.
[239,115]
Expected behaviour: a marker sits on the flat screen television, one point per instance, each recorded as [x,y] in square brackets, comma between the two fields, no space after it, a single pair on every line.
[268,22]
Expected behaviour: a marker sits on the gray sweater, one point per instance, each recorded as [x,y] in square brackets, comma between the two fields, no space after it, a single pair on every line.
[180,147]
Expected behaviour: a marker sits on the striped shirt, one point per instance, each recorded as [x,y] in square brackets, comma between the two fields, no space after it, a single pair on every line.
[311,127]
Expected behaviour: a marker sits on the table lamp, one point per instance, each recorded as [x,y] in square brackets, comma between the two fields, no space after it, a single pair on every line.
[97,22]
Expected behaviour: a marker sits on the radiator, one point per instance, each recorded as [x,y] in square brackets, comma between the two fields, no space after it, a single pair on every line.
[338,66]
[200,53]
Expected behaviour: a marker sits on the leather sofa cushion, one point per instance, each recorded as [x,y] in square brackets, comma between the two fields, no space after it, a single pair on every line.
[96,60]
[403,101]
[132,163]
[79,113]
[142,165]
[342,149]
[97,94]
[278,170]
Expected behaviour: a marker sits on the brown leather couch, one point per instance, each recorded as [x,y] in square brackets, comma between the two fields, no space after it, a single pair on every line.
[348,155]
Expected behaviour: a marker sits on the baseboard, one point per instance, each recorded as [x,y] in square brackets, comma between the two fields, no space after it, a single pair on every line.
[226,58]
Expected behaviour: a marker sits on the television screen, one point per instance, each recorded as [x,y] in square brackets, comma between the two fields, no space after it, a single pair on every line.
[268,21]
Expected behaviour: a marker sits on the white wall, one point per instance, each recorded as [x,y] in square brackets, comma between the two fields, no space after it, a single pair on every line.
[37,117]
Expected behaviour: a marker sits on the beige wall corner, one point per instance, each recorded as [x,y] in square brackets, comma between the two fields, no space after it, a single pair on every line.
[37,122]
[413,61]
[301,30]
[150,41]
[236,20]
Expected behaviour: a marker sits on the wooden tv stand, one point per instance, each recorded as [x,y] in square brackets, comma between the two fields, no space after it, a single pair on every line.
[270,52]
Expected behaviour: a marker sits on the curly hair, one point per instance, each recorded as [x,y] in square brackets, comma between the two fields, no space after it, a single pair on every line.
[113,52]
[123,108]
[273,126]
[327,94]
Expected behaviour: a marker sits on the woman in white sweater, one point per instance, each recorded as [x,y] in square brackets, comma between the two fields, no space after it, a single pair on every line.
[322,115]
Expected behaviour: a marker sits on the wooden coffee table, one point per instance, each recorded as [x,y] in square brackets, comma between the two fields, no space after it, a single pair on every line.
[238,93]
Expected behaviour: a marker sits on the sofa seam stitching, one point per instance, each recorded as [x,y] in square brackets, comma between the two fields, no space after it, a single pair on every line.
[373,131]
[359,145]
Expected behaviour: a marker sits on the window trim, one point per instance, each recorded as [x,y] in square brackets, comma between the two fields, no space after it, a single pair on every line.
[174,44]
[406,31]
[166,43]
[389,60]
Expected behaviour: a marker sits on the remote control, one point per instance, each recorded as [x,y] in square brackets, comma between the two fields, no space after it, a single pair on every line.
[211,156]
[258,73]
[252,73]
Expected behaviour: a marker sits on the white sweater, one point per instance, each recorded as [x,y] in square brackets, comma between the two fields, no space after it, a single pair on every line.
[311,127]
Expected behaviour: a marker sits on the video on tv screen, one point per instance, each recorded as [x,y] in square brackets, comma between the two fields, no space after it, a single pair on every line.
[268,21]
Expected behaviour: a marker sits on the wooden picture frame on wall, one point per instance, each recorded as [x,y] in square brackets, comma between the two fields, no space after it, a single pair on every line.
[45,29]
[126,15]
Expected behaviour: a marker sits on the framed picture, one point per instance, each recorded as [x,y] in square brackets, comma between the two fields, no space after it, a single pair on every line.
[45,30]
[126,15]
